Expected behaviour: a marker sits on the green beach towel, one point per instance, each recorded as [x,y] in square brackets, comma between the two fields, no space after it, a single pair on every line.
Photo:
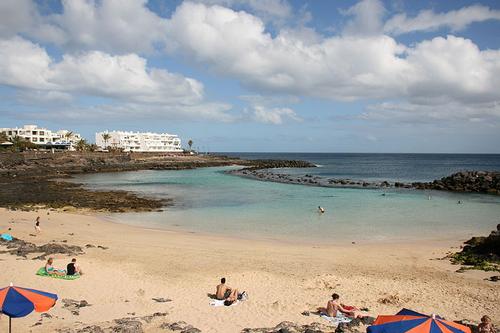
[42,272]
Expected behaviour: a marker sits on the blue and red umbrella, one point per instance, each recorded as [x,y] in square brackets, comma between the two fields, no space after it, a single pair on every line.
[18,302]
[413,322]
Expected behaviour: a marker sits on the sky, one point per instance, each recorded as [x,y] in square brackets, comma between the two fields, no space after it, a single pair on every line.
[259,75]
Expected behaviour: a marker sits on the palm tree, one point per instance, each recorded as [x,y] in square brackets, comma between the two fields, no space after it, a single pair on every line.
[190,143]
[92,148]
[106,137]
[21,144]
[81,145]
[68,135]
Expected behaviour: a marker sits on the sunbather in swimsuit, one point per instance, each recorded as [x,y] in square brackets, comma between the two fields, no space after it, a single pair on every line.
[51,270]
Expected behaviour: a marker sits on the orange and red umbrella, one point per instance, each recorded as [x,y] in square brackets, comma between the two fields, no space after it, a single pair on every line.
[408,321]
[18,302]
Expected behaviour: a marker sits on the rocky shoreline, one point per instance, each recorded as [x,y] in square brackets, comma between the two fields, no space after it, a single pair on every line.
[487,182]
[33,180]
[480,253]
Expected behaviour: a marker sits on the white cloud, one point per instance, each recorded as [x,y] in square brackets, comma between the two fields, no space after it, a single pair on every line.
[428,20]
[115,26]
[124,79]
[272,115]
[24,64]
[42,97]
[266,9]
[270,100]
[115,113]
[16,16]
[338,67]
[366,19]
[404,112]
[100,40]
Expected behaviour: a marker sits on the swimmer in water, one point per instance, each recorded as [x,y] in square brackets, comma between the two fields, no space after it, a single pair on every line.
[321,209]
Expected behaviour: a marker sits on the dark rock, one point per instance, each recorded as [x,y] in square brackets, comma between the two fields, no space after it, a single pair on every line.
[161,299]
[191,330]
[480,252]
[126,325]
[74,305]
[91,329]
[22,248]
[180,326]
[150,318]
[289,327]
[390,299]
[177,326]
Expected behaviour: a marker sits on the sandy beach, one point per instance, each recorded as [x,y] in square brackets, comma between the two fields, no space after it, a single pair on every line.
[282,279]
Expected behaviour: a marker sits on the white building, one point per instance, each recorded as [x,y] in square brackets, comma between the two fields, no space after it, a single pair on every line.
[42,136]
[139,142]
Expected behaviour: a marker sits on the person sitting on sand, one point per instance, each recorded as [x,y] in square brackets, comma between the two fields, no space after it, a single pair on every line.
[486,326]
[73,268]
[37,225]
[223,291]
[333,307]
[51,270]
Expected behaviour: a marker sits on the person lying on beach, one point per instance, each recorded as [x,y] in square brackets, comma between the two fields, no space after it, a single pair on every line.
[73,268]
[233,297]
[486,326]
[51,270]
[334,306]
[223,291]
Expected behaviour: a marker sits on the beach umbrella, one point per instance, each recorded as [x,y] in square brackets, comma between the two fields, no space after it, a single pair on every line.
[414,322]
[18,302]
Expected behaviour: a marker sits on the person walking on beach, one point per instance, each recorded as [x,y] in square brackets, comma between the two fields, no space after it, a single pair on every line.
[37,225]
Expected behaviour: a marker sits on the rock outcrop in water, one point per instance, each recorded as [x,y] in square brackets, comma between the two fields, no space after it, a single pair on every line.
[466,181]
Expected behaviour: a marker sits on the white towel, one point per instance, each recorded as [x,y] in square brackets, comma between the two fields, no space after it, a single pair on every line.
[221,303]
[340,318]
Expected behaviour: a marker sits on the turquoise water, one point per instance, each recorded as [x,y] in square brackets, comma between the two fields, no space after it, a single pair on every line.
[208,200]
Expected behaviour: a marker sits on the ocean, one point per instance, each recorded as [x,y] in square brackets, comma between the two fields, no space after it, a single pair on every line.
[378,167]
[210,201]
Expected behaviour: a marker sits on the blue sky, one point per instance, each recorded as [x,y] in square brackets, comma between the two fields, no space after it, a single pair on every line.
[255,75]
